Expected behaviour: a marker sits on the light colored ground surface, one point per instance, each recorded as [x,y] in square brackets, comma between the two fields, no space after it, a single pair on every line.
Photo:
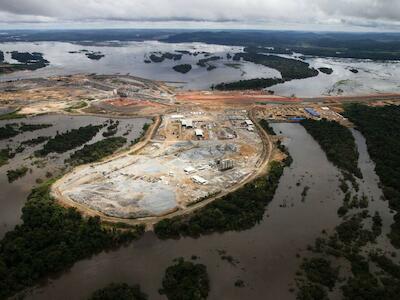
[55,94]
[153,181]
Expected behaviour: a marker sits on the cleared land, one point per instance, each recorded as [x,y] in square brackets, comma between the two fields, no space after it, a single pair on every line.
[201,146]
[193,156]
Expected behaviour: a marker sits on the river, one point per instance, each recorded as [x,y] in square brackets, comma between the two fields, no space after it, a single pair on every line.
[128,57]
[265,255]
[13,195]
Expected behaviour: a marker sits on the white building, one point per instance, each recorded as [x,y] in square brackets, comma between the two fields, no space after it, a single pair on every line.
[187,123]
[249,123]
[189,170]
[199,132]
[199,180]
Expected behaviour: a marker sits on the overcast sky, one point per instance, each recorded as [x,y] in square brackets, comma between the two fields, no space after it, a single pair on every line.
[293,14]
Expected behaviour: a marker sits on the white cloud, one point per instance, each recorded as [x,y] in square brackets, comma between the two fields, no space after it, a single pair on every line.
[371,12]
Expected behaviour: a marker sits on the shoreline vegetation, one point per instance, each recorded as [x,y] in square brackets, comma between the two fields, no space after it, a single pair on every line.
[26,61]
[337,142]
[381,128]
[96,151]
[184,68]
[289,68]
[9,131]
[13,175]
[237,211]
[69,140]
[119,291]
[247,84]
[51,237]
[372,274]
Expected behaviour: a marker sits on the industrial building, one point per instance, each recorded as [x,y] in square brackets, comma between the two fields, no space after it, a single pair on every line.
[187,123]
[312,112]
[199,180]
[225,164]
[199,133]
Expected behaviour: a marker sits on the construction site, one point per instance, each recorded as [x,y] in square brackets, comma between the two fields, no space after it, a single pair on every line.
[85,93]
[274,113]
[193,155]
[201,146]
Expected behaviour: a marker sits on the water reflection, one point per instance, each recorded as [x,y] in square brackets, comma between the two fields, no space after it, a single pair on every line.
[372,77]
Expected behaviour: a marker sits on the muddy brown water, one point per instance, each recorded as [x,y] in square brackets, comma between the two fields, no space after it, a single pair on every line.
[13,195]
[265,255]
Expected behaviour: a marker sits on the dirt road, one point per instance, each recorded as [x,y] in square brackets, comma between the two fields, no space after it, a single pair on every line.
[262,166]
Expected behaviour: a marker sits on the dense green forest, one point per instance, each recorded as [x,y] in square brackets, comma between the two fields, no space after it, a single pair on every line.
[184,68]
[36,141]
[119,291]
[337,142]
[69,140]
[51,239]
[26,57]
[94,152]
[11,130]
[186,281]
[26,61]
[375,46]
[33,127]
[381,128]
[247,84]
[289,68]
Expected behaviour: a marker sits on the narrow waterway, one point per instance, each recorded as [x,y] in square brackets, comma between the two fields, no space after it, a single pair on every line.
[265,255]
[13,195]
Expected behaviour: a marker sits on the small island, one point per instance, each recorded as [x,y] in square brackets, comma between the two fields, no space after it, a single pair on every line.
[325,70]
[184,68]
[186,280]
[26,61]
[93,55]
[158,57]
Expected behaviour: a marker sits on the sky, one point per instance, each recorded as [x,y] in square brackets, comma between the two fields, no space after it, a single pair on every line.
[346,15]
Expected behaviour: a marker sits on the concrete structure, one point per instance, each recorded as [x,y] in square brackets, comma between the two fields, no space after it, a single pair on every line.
[225,164]
[199,132]
[199,180]
[189,170]
[187,123]
[312,112]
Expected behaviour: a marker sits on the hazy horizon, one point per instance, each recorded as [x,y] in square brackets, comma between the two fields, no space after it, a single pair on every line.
[304,15]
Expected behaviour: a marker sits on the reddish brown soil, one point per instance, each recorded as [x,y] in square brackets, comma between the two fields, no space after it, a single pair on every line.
[234,97]
[123,102]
